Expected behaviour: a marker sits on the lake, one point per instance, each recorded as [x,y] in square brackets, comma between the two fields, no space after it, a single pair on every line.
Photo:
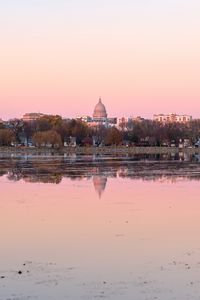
[100,227]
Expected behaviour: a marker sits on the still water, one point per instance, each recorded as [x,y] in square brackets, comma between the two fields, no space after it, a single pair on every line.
[99,227]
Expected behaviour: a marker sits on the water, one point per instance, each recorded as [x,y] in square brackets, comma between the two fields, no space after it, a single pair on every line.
[99,227]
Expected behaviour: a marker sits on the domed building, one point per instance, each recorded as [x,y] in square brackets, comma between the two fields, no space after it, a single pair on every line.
[100,114]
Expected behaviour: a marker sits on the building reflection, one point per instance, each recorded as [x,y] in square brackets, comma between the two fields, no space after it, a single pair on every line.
[99,184]
[99,169]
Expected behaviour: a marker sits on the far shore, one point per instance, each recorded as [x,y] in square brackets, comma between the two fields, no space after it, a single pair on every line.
[9,151]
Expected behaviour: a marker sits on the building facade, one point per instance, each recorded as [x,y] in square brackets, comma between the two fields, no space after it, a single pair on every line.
[172,118]
[99,117]
[29,117]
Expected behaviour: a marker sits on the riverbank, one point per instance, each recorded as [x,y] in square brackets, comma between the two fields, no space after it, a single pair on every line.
[9,151]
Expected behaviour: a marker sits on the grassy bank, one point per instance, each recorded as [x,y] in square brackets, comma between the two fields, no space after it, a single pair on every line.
[8,151]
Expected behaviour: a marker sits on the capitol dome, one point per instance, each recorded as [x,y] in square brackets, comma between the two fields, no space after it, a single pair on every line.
[100,111]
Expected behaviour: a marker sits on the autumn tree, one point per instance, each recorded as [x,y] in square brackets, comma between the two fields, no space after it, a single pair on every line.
[47,138]
[7,137]
[48,122]
[77,129]
[113,137]
[16,126]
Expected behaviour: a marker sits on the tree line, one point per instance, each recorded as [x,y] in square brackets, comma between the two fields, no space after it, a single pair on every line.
[54,131]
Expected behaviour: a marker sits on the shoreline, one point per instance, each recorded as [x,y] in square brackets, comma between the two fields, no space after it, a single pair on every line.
[9,151]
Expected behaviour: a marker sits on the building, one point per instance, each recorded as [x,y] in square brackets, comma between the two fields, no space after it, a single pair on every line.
[122,123]
[99,117]
[172,118]
[126,123]
[29,117]
[100,114]
[112,121]
[197,144]
[70,142]
[85,119]
[135,119]
[122,120]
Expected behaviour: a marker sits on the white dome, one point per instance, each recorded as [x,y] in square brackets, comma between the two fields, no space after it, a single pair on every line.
[99,111]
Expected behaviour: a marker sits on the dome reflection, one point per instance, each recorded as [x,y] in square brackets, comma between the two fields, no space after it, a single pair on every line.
[99,184]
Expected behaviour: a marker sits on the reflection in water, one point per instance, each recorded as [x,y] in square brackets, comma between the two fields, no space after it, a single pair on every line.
[99,169]
[99,184]
[141,241]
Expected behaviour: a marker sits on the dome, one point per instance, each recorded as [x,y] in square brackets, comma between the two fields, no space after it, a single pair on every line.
[99,111]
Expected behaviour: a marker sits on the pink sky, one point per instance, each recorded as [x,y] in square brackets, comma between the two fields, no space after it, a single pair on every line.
[60,57]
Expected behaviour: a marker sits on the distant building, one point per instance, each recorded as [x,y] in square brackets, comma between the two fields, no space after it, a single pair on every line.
[85,119]
[125,123]
[66,120]
[99,118]
[122,123]
[122,120]
[32,117]
[197,144]
[112,121]
[136,119]
[172,118]
[100,114]
[70,142]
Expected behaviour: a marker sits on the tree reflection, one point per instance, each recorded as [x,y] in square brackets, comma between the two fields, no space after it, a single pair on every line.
[99,169]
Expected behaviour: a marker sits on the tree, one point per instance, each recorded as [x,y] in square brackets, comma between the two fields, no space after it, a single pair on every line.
[16,126]
[77,129]
[7,137]
[48,122]
[113,137]
[48,138]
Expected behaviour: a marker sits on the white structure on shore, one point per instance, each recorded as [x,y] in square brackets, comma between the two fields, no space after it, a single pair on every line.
[32,117]
[172,118]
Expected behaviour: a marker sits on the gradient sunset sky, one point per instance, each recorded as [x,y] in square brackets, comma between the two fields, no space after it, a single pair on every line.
[58,56]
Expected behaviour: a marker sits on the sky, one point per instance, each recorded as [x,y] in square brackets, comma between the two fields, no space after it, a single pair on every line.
[58,57]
